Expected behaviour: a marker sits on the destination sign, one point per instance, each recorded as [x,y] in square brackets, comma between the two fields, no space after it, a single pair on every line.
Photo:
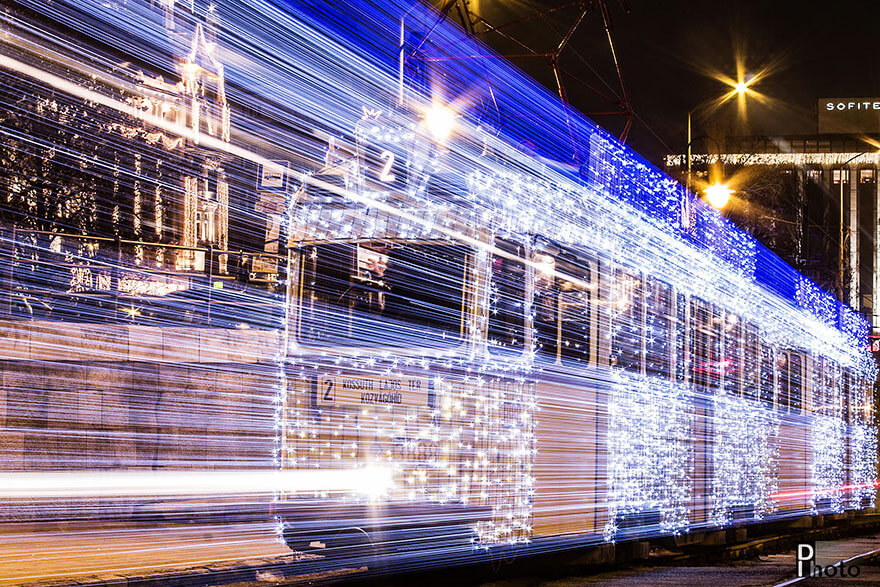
[366,390]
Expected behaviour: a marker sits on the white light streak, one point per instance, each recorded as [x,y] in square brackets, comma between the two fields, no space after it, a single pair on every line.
[371,482]
[440,320]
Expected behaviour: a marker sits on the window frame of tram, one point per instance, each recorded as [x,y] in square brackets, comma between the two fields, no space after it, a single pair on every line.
[350,279]
[575,331]
[730,365]
[790,376]
[830,384]
[558,339]
[660,323]
[845,392]
[681,345]
[506,329]
[706,343]
[627,349]
[867,414]
[751,389]
[767,384]
[545,308]
[650,327]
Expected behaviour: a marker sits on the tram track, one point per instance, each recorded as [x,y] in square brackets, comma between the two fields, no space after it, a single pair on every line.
[647,562]
[661,562]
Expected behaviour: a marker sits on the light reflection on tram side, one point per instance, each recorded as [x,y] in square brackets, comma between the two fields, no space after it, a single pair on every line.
[531,349]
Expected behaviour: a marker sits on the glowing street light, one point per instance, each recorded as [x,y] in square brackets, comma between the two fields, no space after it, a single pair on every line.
[739,88]
[718,195]
[440,121]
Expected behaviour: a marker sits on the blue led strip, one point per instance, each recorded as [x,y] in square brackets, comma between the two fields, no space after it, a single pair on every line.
[417,215]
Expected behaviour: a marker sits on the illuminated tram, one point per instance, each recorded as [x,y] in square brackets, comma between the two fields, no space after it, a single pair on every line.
[515,350]
[502,324]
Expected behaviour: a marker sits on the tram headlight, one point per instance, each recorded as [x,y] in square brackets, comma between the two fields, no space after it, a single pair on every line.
[440,121]
[374,481]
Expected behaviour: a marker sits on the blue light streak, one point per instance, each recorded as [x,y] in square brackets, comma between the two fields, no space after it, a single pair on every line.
[580,414]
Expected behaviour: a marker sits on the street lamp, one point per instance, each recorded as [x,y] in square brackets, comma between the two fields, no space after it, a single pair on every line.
[740,88]
[718,195]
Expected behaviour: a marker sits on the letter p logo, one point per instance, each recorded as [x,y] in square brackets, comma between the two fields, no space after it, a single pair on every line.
[805,553]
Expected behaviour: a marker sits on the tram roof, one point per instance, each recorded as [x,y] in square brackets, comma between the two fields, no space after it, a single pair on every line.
[500,96]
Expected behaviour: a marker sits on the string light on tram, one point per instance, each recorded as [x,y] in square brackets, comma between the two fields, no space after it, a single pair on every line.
[474,329]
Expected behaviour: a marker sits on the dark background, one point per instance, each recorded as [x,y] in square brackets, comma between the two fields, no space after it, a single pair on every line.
[668,51]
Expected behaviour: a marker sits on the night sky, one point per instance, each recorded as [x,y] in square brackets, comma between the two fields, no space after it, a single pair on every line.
[667,49]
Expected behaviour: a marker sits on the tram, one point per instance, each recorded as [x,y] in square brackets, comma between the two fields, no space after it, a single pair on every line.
[517,347]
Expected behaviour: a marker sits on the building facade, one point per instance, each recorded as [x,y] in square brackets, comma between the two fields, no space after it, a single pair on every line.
[813,200]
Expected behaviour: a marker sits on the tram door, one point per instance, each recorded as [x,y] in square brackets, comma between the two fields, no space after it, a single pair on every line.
[568,428]
[850,384]
[795,457]
[705,353]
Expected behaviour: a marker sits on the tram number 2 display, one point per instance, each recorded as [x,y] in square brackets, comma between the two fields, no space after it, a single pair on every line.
[386,175]
[366,390]
[385,166]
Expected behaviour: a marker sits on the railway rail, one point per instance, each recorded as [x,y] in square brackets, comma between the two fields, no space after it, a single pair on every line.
[490,344]
[245,555]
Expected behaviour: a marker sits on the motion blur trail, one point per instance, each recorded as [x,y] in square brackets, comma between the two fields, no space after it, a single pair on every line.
[335,274]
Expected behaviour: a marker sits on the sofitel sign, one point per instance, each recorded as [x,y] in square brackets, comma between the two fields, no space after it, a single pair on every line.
[849,115]
[866,105]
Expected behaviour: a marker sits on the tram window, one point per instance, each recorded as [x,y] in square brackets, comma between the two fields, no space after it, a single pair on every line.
[681,336]
[855,402]
[751,360]
[384,294]
[731,365]
[824,394]
[705,343]
[796,383]
[767,370]
[507,300]
[626,322]
[574,314]
[546,308]
[782,381]
[865,409]
[659,316]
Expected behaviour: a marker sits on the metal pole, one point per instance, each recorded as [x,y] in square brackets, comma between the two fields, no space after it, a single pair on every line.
[688,182]
[875,260]
[854,239]
[210,280]
[114,279]
[841,253]
[401,50]
[846,232]
[11,284]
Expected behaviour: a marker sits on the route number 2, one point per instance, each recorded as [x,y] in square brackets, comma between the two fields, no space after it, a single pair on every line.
[328,391]
[385,175]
